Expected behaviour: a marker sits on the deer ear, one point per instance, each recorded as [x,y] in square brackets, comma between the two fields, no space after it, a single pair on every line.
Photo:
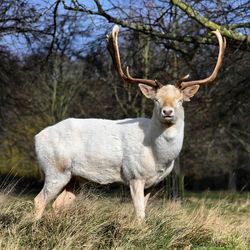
[148,91]
[189,92]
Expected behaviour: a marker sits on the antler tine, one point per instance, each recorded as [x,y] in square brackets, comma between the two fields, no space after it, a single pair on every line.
[153,83]
[181,80]
[222,47]
[113,48]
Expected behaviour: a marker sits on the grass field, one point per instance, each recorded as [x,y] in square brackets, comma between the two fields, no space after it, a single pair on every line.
[210,220]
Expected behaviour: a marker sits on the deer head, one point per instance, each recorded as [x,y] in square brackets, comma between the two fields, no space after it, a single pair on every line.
[168,98]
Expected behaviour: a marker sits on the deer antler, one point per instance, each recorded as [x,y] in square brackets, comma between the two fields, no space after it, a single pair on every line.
[222,47]
[113,48]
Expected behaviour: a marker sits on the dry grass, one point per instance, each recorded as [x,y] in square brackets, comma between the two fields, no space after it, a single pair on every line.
[98,222]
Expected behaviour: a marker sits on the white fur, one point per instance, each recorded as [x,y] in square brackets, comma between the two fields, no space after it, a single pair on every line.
[106,151]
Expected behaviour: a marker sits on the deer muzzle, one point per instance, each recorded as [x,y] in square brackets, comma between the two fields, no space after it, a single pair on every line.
[167,113]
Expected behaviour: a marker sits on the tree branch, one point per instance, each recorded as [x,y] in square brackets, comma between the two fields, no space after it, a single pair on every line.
[149,30]
[54,29]
[239,25]
[229,33]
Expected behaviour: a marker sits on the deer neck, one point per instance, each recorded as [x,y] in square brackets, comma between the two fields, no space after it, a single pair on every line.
[165,138]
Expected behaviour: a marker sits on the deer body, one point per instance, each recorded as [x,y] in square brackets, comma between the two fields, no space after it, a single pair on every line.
[138,152]
[106,151]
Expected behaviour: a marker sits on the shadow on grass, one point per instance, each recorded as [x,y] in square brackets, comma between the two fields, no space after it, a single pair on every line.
[13,184]
[10,183]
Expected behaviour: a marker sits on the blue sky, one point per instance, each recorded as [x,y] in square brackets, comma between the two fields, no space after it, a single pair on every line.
[19,45]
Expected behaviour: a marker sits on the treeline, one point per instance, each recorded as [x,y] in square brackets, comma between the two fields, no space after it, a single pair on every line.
[62,69]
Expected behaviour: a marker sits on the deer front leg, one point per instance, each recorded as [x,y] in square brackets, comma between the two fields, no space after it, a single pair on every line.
[137,193]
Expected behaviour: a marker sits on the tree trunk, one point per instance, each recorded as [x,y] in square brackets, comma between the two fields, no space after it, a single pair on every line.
[146,60]
[232,181]
[175,184]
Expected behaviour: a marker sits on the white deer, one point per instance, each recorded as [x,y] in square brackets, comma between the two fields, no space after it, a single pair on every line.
[138,152]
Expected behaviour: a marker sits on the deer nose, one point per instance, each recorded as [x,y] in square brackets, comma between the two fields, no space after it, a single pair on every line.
[167,112]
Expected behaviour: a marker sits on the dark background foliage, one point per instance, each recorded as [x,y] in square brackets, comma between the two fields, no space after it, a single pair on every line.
[54,64]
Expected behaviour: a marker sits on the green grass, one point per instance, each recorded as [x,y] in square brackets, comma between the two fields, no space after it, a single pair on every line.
[204,221]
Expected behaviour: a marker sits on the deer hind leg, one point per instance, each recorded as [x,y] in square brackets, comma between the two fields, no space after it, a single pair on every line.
[137,193]
[52,187]
[40,204]
[67,196]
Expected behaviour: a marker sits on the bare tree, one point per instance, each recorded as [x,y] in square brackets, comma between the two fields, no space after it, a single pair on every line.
[155,18]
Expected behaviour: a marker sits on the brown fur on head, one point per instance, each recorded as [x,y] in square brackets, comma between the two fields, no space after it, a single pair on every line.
[169,92]
[168,100]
